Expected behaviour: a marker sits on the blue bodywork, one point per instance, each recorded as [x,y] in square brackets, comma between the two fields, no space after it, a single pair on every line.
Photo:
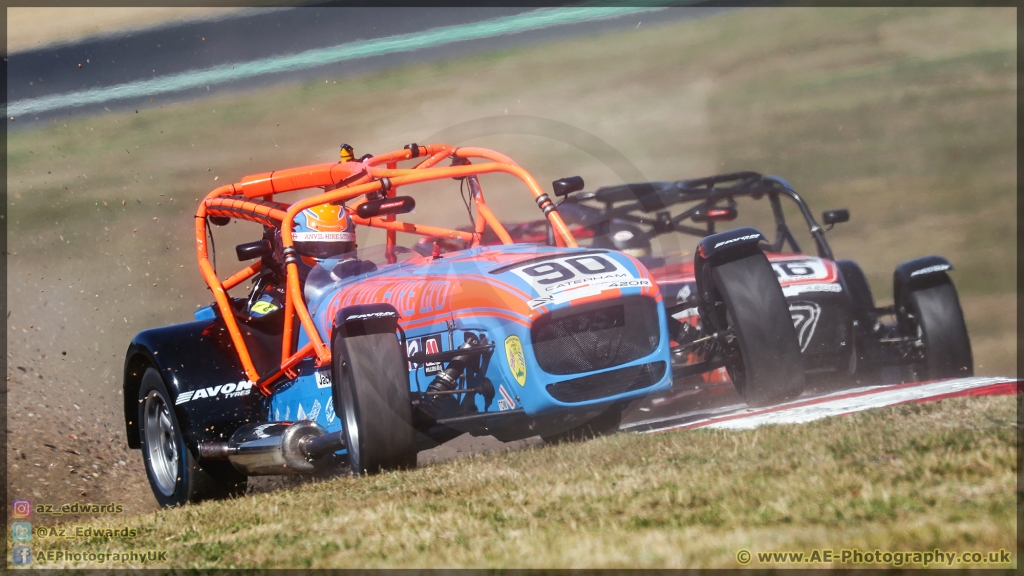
[432,297]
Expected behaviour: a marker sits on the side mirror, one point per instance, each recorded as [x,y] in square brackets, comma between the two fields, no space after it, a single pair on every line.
[251,250]
[566,186]
[835,216]
[396,205]
[219,220]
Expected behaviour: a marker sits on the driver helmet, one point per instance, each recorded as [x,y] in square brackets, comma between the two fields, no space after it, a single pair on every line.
[322,232]
[626,238]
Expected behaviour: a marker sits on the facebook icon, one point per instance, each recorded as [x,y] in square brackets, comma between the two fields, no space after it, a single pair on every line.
[22,555]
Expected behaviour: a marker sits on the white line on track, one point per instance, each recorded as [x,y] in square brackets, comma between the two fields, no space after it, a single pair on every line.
[534,20]
[801,410]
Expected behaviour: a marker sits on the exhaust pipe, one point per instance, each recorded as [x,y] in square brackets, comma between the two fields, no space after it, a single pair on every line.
[274,448]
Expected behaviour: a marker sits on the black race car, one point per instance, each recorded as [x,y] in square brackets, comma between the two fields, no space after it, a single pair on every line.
[842,333]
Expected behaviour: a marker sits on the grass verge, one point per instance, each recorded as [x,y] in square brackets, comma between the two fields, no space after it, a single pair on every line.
[905,478]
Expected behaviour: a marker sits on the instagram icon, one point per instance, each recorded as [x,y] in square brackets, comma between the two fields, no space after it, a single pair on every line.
[21,508]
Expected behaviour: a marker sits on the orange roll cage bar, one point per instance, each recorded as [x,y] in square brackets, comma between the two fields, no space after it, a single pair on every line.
[252,199]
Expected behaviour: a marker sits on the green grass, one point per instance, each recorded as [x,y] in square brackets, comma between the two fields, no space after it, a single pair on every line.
[912,477]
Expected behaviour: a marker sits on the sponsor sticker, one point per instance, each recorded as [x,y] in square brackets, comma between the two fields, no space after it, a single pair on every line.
[229,390]
[570,277]
[516,359]
[930,269]
[323,237]
[800,270]
[802,288]
[740,239]
[323,379]
[505,402]
[432,345]
[428,345]
[412,346]
[805,319]
[263,307]
[385,314]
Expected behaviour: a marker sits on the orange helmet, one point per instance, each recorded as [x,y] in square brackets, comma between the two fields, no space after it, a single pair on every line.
[324,231]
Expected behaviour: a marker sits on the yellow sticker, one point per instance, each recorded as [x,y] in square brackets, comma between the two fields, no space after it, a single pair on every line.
[264,307]
[516,358]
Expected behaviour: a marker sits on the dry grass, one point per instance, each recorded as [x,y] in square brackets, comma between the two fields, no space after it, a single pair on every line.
[34,27]
[898,114]
[912,477]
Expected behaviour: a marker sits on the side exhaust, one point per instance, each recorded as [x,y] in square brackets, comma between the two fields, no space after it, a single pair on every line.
[274,448]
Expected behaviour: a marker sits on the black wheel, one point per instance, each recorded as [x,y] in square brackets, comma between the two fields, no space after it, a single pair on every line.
[857,287]
[173,473]
[371,391]
[865,334]
[932,314]
[769,368]
[606,422]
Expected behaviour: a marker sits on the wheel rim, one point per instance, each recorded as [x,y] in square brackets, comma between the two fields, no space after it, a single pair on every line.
[351,422]
[161,443]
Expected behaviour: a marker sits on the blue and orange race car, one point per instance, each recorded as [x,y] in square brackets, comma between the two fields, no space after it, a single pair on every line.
[364,358]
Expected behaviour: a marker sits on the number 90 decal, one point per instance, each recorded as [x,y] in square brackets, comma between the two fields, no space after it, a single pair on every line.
[576,276]
[562,270]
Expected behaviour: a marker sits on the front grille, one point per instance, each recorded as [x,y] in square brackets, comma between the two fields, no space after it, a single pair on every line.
[608,383]
[596,336]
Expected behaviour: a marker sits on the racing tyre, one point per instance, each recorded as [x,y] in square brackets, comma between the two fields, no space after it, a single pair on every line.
[937,319]
[171,468]
[605,423]
[863,368]
[770,368]
[371,391]
[857,287]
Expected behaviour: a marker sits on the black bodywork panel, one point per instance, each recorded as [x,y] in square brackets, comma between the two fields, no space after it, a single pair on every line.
[194,359]
[920,270]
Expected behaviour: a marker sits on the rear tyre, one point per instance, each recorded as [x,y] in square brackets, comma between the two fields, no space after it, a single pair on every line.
[933,314]
[171,468]
[769,368]
[371,391]
[605,423]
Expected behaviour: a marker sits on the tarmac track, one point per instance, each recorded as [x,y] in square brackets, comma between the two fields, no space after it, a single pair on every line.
[118,59]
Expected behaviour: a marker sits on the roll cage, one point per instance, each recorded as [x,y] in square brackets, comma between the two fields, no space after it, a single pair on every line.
[369,178]
[635,202]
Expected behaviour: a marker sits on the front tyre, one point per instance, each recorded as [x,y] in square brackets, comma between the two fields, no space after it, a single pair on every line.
[371,391]
[173,473]
[932,313]
[769,368]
